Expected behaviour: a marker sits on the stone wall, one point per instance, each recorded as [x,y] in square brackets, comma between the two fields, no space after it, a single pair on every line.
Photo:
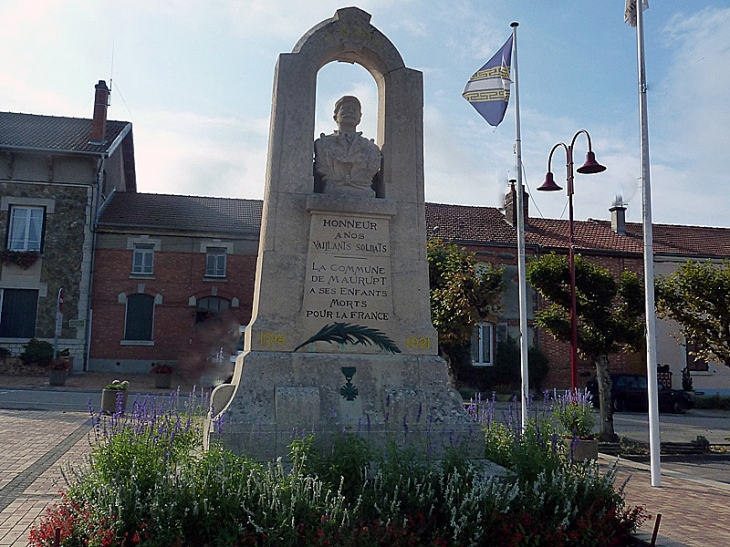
[61,257]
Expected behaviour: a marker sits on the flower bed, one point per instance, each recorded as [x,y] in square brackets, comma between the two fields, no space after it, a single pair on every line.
[13,366]
[147,483]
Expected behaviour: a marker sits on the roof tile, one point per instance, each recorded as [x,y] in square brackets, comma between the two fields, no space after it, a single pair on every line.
[31,131]
[485,225]
[188,213]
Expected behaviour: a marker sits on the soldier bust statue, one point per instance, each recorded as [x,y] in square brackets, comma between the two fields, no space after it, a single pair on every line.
[345,162]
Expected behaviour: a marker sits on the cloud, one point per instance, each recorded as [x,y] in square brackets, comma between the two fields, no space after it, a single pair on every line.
[694,117]
[186,153]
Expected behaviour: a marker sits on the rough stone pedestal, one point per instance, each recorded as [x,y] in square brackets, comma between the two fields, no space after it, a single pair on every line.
[383,398]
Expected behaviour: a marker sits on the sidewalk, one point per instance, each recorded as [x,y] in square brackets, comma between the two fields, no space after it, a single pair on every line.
[695,512]
[35,444]
[94,381]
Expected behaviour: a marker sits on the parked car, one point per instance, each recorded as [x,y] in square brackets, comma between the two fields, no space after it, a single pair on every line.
[630,392]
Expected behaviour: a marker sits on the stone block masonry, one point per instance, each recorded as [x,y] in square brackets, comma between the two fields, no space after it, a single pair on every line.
[341,335]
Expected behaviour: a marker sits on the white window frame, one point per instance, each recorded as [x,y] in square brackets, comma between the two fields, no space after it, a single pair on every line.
[215,261]
[143,250]
[23,242]
[477,354]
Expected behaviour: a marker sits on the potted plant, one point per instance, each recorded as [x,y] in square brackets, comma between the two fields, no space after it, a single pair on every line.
[163,375]
[575,415]
[58,370]
[114,397]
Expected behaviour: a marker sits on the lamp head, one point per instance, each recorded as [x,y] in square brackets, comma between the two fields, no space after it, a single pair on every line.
[591,165]
[549,184]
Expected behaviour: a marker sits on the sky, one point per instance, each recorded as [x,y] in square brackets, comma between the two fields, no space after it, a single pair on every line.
[195,78]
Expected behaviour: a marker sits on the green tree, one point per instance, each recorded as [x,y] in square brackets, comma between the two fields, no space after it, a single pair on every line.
[697,296]
[507,369]
[464,292]
[610,315]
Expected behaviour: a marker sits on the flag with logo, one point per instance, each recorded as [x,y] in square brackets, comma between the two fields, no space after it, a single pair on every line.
[488,89]
[630,11]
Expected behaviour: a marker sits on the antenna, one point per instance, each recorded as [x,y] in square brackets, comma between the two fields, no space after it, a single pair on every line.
[111,70]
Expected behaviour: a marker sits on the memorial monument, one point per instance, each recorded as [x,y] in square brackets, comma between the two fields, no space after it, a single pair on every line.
[341,335]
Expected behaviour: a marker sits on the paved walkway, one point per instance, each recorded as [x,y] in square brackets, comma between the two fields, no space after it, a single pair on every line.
[695,512]
[36,445]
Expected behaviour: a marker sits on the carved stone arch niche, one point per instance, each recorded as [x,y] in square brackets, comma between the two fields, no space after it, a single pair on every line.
[346,37]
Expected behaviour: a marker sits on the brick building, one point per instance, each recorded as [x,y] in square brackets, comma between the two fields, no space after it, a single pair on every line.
[148,278]
[155,248]
[54,175]
[614,244]
[166,268]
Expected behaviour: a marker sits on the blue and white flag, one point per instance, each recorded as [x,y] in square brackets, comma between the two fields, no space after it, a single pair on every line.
[630,11]
[488,89]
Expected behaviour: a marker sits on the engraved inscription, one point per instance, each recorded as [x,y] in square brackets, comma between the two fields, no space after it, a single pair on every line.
[348,270]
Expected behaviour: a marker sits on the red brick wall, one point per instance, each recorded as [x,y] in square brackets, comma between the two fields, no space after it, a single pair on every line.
[177,277]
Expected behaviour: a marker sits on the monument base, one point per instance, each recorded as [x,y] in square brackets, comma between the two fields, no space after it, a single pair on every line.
[278,397]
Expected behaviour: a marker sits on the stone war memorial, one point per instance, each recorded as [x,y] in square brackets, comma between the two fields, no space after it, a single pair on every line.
[341,337]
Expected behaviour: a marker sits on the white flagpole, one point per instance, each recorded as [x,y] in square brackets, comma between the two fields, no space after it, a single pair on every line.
[651,362]
[521,269]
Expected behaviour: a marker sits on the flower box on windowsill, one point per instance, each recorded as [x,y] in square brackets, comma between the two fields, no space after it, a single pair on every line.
[22,259]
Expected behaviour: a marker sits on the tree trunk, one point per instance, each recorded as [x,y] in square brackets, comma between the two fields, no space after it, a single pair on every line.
[604,398]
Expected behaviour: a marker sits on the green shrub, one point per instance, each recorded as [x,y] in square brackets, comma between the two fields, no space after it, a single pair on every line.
[37,351]
[5,353]
[717,402]
[506,374]
[147,483]
[574,412]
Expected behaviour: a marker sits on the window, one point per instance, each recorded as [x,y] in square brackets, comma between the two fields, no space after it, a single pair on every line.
[138,322]
[142,258]
[694,363]
[19,307]
[482,344]
[25,230]
[215,262]
[210,307]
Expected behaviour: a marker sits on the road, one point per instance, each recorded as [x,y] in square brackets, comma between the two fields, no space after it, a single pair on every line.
[70,401]
[714,425]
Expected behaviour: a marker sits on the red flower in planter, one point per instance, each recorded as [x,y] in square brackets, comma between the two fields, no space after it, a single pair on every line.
[60,364]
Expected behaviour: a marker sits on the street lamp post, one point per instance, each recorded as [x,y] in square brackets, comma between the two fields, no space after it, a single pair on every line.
[589,167]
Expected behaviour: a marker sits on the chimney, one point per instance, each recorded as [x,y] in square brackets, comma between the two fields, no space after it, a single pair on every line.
[618,216]
[510,202]
[101,103]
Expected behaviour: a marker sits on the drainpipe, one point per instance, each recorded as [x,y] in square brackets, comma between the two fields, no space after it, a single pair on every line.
[95,213]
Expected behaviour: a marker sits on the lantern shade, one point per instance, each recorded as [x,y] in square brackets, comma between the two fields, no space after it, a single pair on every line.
[591,165]
[549,184]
